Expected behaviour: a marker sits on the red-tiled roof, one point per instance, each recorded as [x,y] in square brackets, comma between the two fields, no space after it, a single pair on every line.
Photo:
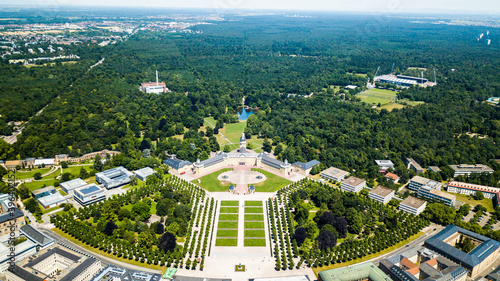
[408,263]
[392,176]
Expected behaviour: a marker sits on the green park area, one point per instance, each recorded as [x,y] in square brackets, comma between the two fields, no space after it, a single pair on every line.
[486,202]
[272,183]
[254,224]
[376,96]
[229,203]
[211,183]
[227,228]
[232,134]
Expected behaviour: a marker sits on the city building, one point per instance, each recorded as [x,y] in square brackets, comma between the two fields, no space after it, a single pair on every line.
[53,200]
[353,184]
[392,177]
[412,164]
[112,273]
[403,81]
[413,205]
[417,182]
[335,174]
[42,192]
[114,177]
[23,250]
[11,219]
[143,173]
[177,165]
[471,189]
[88,194]
[154,87]
[486,250]
[435,169]
[464,169]
[430,189]
[13,164]
[35,236]
[70,186]
[381,194]
[362,271]
[44,162]
[385,164]
[494,275]
[304,168]
[67,266]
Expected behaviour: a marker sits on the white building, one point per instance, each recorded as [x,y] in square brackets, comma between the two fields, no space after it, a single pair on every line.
[335,174]
[89,194]
[381,194]
[70,186]
[23,250]
[385,164]
[470,189]
[53,200]
[413,205]
[430,189]
[45,161]
[143,173]
[464,169]
[114,177]
[353,184]
[417,182]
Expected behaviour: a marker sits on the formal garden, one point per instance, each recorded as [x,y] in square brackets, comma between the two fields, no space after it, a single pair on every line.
[227,228]
[255,235]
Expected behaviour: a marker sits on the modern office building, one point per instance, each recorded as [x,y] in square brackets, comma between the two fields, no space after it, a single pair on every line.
[486,250]
[412,164]
[417,182]
[53,200]
[88,194]
[143,173]
[111,273]
[385,164]
[335,174]
[464,169]
[70,186]
[44,191]
[413,205]
[114,177]
[435,169]
[353,184]
[471,189]
[23,250]
[361,271]
[381,194]
[430,189]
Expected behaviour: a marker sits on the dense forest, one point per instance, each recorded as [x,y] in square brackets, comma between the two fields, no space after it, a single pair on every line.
[264,59]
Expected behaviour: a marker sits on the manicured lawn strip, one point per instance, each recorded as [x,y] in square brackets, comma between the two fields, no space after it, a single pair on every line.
[30,174]
[211,183]
[226,242]
[272,183]
[254,210]
[253,203]
[229,203]
[255,233]
[259,225]
[228,217]
[34,185]
[255,242]
[227,224]
[227,233]
[233,131]
[228,210]
[253,217]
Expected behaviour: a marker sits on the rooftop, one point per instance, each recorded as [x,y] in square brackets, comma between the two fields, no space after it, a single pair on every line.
[51,199]
[35,235]
[7,216]
[336,172]
[144,172]
[88,189]
[51,252]
[413,202]
[354,181]
[72,184]
[384,162]
[176,163]
[473,168]
[392,176]
[426,181]
[43,189]
[307,165]
[355,272]
[476,187]
[77,270]
[382,191]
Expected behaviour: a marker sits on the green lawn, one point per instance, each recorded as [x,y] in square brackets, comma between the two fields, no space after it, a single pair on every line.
[228,224]
[487,203]
[29,174]
[227,233]
[211,183]
[226,242]
[75,170]
[391,106]
[34,185]
[254,210]
[253,217]
[255,225]
[253,203]
[228,210]
[376,96]
[229,203]
[233,131]
[255,242]
[254,233]
[272,183]
[228,217]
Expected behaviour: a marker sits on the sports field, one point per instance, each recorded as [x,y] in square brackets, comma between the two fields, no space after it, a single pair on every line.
[376,96]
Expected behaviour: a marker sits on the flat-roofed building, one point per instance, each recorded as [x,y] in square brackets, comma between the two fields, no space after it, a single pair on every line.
[88,194]
[45,162]
[412,164]
[417,181]
[464,169]
[114,177]
[70,186]
[435,194]
[111,273]
[413,205]
[353,184]
[42,192]
[11,219]
[381,194]
[360,271]
[53,200]
[335,174]
[471,189]
[385,164]
[143,173]
[435,169]
[23,250]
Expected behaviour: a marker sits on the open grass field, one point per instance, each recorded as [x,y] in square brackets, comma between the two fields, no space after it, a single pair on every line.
[255,233]
[254,210]
[251,217]
[211,183]
[75,170]
[34,185]
[272,183]
[255,242]
[253,203]
[376,96]
[29,174]
[230,242]
[228,224]
[232,133]
[487,203]
[391,106]
[229,203]
[227,233]
[228,217]
[254,225]
[228,210]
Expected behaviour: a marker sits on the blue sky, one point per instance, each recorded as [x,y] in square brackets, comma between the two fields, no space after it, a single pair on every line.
[464,6]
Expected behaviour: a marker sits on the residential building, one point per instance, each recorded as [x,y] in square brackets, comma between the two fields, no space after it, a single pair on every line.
[360,271]
[335,174]
[464,169]
[53,200]
[304,168]
[480,258]
[11,219]
[70,186]
[413,205]
[412,164]
[143,173]
[381,194]
[392,177]
[88,194]
[42,192]
[471,189]
[114,177]
[353,184]
[385,164]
